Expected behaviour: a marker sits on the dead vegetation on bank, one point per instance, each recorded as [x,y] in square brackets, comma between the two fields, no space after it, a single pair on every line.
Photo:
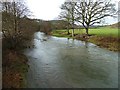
[17,30]
[111,43]
[14,69]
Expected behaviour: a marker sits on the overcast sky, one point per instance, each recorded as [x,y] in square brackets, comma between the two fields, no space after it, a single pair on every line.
[45,9]
[50,9]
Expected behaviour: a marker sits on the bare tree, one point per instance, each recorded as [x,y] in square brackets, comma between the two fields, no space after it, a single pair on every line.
[69,10]
[12,12]
[90,12]
[46,27]
[65,15]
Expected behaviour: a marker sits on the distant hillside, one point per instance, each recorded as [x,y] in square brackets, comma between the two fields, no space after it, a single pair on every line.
[116,25]
[61,24]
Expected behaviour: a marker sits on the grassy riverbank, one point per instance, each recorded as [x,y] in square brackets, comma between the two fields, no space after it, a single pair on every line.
[105,37]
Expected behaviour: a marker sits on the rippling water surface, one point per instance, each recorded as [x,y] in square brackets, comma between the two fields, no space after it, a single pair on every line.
[67,63]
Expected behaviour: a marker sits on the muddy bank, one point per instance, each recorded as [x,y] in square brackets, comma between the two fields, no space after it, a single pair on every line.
[110,43]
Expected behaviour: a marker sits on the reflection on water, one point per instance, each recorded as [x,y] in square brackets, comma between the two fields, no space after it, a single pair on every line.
[64,63]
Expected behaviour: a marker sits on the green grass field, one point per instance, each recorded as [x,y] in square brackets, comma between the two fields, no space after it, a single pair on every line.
[102,31]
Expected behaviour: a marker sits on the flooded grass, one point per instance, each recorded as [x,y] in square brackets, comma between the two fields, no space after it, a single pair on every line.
[105,37]
[100,31]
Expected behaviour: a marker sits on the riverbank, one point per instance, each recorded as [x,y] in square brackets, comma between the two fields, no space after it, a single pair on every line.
[15,63]
[103,37]
[14,69]
[110,43]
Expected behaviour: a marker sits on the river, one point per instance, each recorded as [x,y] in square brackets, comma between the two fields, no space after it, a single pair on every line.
[66,63]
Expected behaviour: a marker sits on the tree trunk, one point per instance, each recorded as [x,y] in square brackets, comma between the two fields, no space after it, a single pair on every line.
[15,18]
[68,32]
[73,28]
[73,32]
[87,31]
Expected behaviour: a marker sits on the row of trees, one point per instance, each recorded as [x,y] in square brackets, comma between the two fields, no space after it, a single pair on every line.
[86,12]
[17,32]
[46,27]
[15,22]
[12,12]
